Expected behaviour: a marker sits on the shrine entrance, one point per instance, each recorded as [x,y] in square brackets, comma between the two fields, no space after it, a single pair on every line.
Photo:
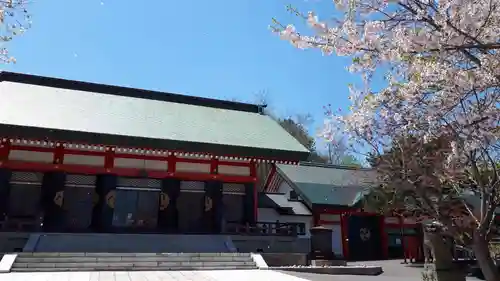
[136,205]
[136,209]
[191,206]
[364,238]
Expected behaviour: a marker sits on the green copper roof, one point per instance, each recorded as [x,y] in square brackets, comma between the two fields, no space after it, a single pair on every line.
[328,185]
[110,112]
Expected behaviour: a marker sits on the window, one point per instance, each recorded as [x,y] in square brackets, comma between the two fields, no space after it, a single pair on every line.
[301,229]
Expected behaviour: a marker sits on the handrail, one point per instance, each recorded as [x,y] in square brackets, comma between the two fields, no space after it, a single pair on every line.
[265,228]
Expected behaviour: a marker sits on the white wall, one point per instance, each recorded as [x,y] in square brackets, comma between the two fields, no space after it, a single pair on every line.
[337,245]
[285,189]
[270,215]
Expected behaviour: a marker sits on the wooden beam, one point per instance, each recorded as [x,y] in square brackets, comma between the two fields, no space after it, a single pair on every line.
[126,172]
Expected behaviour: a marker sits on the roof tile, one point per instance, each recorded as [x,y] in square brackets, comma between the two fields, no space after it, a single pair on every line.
[329,185]
[47,107]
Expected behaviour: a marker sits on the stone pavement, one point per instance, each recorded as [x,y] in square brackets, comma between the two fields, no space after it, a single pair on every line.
[393,271]
[211,275]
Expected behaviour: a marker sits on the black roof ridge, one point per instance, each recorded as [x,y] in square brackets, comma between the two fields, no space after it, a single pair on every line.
[333,166]
[126,91]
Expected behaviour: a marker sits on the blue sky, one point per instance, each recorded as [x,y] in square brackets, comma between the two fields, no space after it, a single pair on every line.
[219,49]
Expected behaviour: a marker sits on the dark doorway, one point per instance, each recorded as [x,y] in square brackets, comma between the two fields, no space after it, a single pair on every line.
[364,238]
[24,211]
[136,210]
[233,202]
[191,207]
[77,205]
[78,202]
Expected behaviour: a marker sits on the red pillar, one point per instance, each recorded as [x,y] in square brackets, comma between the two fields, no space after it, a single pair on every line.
[109,159]
[172,162]
[4,150]
[344,224]
[316,215]
[253,174]
[403,239]
[58,158]
[384,238]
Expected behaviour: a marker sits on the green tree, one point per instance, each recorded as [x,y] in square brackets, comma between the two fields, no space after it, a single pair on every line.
[298,130]
[349,160]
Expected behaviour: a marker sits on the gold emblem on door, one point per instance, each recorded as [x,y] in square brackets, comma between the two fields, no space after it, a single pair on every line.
[110,199]
[208,204]
[364,234]
[164,201]
[59,198]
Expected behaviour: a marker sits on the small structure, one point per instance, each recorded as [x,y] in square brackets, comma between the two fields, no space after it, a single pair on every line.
[334,194]
[321,244]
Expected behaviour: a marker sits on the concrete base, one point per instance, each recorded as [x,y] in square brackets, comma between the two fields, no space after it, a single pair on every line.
[336,270]
[322,263]
[271,244]
[6,262]
[128,243]
[285,259]
[259,261]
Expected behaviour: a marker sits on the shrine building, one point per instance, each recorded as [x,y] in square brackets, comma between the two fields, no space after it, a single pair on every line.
[84,157]
[334,194]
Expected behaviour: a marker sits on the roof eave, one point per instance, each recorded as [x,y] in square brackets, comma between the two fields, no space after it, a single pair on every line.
[128,141]
[333,206]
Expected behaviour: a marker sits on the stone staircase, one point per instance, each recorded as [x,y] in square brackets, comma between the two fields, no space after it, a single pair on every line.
[38,262]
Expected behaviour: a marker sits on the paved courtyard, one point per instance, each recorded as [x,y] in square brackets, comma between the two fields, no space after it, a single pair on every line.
[393,271]
[213,275]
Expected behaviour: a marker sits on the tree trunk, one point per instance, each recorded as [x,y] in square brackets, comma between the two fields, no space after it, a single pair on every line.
[445,269]
[484,260]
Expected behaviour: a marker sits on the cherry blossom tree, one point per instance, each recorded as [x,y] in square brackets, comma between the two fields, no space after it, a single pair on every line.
[410,184]
[442,68]
[14,20]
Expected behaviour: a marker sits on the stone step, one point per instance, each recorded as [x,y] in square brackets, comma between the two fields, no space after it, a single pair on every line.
[48,254]
[128,264]
[24,259]
[35,262]
[134,268]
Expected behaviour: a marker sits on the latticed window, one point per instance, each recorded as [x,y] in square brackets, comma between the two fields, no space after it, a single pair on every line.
[26,178]
[192,186]
[233,188]
[139,182]
[25,192]
[80,180]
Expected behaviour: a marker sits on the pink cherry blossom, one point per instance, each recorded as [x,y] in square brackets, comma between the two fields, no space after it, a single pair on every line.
[442,59]
[442,64]
[14,20]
